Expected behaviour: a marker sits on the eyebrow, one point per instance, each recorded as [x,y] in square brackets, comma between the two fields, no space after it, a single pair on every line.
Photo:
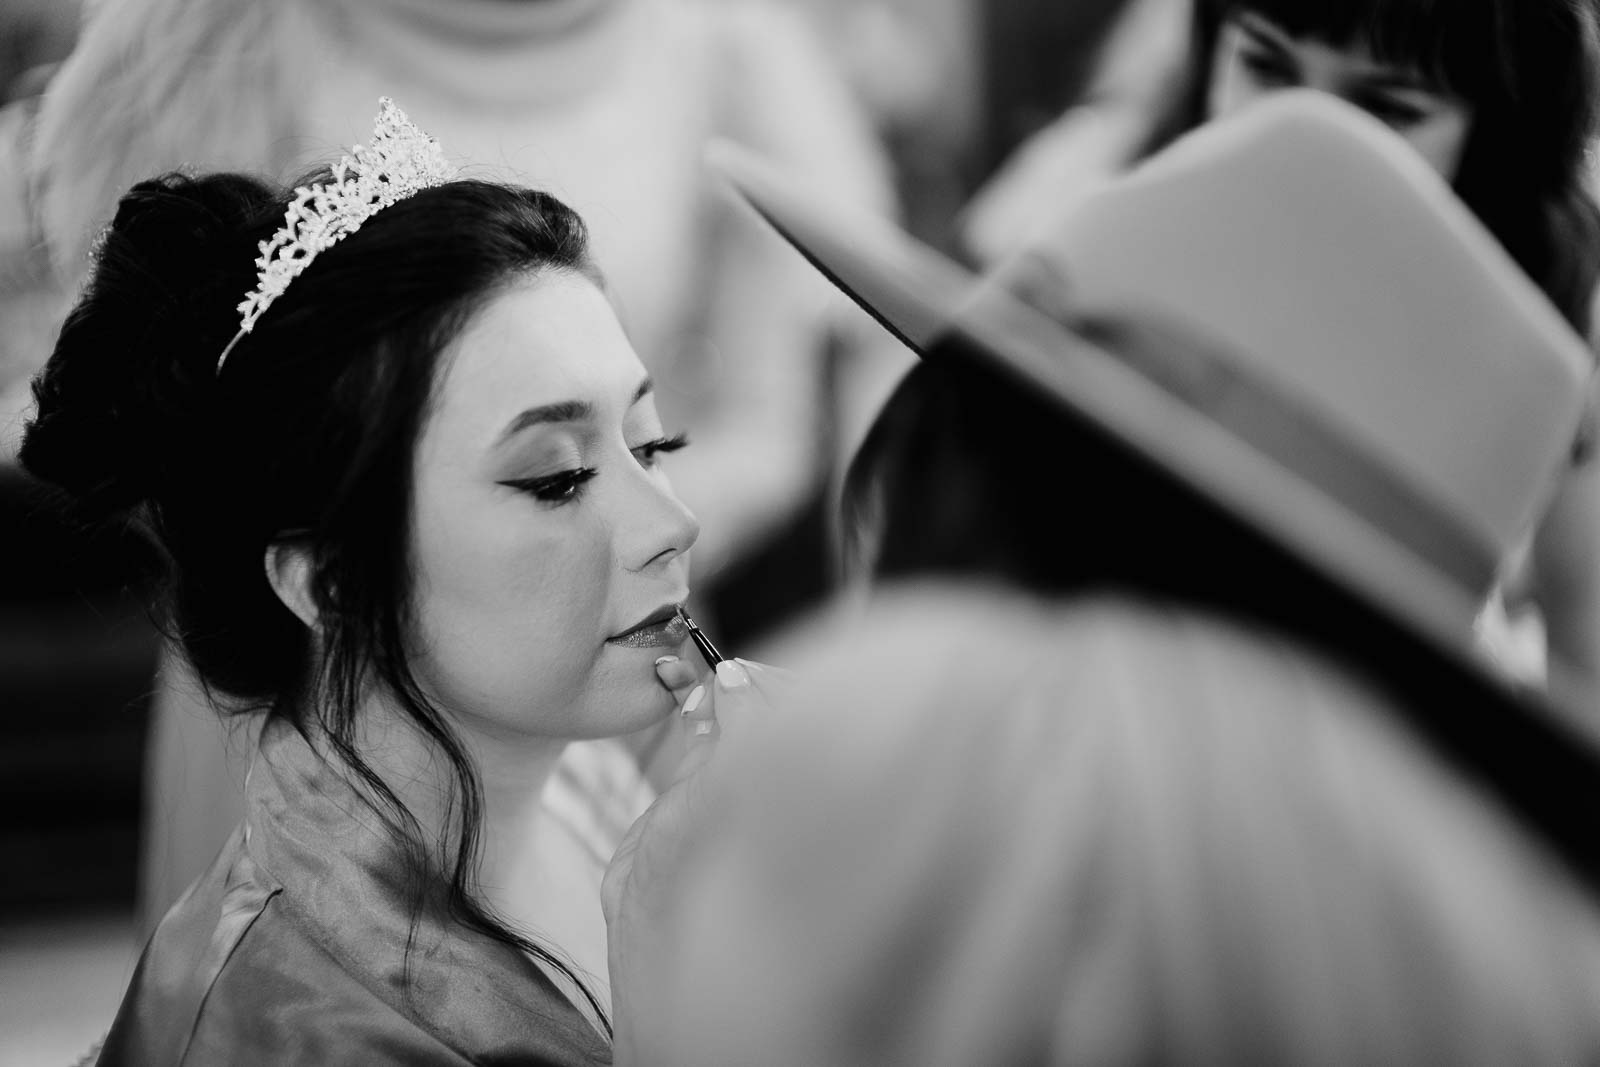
[564,411]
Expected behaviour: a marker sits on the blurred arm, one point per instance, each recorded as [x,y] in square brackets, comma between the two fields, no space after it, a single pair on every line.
[761,448]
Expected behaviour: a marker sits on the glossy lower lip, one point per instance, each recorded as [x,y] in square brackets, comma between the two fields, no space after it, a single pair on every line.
[668,633]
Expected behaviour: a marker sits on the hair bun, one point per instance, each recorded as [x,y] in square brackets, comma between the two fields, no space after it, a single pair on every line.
[133,373]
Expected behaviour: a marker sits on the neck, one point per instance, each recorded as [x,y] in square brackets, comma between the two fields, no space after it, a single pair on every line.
[529,872]
[512,769]
[514,776]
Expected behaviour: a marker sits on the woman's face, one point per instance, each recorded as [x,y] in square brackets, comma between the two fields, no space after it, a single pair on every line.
[544,529]
[1256,56]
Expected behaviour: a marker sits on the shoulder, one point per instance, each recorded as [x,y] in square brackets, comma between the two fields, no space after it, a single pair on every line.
[965,671]
[1001,782]
[282,997]
[230,976]
[960,630]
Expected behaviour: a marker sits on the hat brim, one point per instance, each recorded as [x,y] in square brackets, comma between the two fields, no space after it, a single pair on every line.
[1540,755]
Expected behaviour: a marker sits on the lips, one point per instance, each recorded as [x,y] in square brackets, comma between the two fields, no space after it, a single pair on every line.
[662,628]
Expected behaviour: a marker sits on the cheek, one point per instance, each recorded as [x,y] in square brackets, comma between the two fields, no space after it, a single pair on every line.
[510,610]
[1441,141]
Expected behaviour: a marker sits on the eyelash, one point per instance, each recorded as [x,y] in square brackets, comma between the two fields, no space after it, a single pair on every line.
[1267,69]
[1393,113]
[646,453]
[567,486]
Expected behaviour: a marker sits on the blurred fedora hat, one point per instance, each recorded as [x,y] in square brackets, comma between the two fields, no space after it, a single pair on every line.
[1373,380]
[1373,384]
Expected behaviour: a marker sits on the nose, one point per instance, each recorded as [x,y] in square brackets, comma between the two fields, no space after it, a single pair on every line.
[657,527]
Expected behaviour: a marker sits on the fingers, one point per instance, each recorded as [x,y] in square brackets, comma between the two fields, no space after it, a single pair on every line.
[740,692]
[733,674]
[699,728]
[678,675]
[718,701]
[767,677]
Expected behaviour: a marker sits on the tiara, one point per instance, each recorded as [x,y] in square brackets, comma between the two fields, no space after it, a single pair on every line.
[400,162]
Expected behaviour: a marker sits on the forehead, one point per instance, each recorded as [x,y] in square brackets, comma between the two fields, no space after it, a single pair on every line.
[541,340]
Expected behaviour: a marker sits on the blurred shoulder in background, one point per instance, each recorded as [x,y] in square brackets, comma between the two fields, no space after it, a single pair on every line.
[1111,832]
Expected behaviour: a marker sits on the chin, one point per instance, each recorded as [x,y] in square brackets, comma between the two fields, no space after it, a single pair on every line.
[627,701]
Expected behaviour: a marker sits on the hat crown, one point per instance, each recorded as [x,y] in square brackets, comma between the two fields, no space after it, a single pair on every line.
[1311,244]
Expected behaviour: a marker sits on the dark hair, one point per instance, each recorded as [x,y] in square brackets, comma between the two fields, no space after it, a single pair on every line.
[968,473]
[308,432]
[1531,71]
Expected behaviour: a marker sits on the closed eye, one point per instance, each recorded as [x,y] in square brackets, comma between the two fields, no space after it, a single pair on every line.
[1391,110]
[1267,68]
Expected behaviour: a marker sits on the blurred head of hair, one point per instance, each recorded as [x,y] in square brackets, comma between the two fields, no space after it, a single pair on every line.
[1001,831]
[969,473]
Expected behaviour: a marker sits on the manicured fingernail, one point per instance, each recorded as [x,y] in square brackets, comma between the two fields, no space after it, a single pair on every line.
[694,700]
[732,676]
[662,661]
[703,727]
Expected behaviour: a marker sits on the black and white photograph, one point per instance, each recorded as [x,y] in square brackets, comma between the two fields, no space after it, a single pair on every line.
[799,533]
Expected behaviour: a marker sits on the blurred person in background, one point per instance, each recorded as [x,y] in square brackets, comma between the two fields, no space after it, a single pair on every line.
[76,651]
[1498,96]
[915,66]
[1162,739]
[34,38]
[466,556]
[1105,119]
[608,104]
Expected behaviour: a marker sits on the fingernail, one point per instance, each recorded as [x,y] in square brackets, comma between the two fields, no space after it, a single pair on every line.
[732,676]
[662,661]
[694,700]
[703,727]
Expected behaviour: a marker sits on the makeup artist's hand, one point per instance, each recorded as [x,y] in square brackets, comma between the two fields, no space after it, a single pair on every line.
[738,685]
[716,708]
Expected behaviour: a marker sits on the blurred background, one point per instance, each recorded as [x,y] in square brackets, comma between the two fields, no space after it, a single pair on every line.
[951,89]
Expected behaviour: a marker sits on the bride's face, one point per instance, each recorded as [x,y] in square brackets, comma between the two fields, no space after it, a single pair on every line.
[544,528]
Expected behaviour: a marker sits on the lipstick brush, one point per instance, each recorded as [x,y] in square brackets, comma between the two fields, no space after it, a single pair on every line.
[708,651]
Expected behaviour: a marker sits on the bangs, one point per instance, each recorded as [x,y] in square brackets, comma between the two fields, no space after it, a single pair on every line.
[1461,45]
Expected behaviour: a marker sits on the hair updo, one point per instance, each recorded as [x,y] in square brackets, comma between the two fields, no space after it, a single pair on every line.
[307,434]
[309,428]
[128,374]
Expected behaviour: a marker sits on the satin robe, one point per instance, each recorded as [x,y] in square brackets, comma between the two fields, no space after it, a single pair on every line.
[292,949]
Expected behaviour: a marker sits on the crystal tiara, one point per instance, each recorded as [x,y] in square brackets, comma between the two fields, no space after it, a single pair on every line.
[400,162]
